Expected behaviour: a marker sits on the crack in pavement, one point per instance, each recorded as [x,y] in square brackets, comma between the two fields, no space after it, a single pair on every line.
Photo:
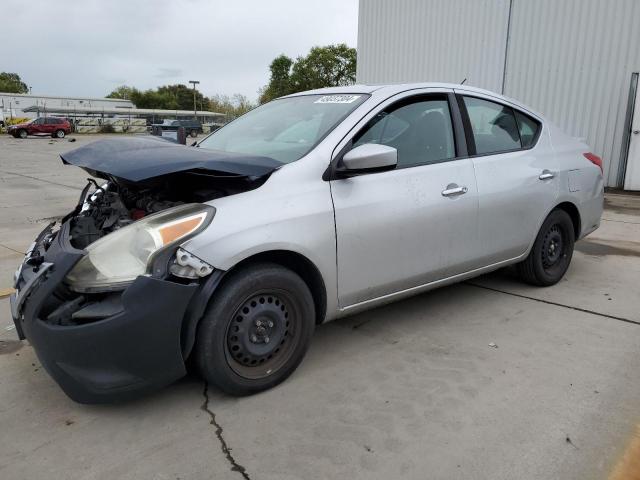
[226,450]
[11,249]
[40,180]
[549,302]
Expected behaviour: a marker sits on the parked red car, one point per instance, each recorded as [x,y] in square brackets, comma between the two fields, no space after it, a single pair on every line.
[56,127]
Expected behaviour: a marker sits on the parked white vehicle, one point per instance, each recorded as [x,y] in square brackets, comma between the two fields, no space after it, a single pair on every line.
[309,208]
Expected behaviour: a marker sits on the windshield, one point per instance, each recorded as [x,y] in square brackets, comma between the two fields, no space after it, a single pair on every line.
[285,129]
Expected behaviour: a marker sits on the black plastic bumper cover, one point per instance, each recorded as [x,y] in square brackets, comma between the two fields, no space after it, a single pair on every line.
[116,358]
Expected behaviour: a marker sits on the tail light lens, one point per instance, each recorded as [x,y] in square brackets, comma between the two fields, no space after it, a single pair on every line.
[593,158]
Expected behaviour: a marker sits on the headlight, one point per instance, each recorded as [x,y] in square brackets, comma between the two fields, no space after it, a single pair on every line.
[117,259]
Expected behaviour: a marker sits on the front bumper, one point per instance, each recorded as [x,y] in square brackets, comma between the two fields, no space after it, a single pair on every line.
[133,349]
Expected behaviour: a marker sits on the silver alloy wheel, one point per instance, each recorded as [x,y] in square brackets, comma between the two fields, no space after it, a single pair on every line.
[60,134]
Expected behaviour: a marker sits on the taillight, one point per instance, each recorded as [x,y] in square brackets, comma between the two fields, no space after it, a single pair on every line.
[593,158]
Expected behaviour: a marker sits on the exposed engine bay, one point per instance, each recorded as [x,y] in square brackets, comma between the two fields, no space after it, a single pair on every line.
[117,203]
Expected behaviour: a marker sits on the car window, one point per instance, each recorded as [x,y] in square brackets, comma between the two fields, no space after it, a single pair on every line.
[285,129]
[528,128]
[493,126]
[38,121]
[420,131]
[304,131]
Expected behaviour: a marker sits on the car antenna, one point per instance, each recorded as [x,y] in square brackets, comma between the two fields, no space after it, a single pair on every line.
[462,82]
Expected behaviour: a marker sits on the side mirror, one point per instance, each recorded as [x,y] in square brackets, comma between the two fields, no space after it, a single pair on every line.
[370,157]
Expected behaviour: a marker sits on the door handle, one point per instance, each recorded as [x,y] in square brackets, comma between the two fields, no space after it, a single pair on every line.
[453,190]
[636,132]
[546,175]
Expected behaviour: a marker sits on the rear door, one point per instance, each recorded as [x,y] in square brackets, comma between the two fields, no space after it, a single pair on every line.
[417,223]
[515,171]
[49,125]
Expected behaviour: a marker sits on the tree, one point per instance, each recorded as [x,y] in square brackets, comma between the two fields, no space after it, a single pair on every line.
[280,79]
[12,83]
[124,92]
[232,107]
[166,97]
[329,66]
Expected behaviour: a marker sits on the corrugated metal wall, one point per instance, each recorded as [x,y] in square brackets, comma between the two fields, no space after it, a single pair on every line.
[455,39]
[571,60]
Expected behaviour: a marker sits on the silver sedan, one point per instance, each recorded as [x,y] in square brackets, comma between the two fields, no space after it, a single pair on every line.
[309,208]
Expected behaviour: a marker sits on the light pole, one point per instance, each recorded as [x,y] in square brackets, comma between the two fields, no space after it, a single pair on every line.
[194,83]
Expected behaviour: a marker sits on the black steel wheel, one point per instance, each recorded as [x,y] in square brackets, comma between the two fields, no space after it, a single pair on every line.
[256,330]
[262,334]
[552,251]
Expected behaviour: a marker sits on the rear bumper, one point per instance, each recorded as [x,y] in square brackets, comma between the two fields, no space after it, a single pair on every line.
[134,349]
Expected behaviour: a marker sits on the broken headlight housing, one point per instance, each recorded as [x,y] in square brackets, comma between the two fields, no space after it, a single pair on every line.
[115,260]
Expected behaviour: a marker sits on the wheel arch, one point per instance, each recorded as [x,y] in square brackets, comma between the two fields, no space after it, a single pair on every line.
[574,214]
[571,209]
[299,264]
[294,261]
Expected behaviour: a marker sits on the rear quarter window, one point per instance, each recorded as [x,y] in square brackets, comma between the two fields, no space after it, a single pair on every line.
[493,126]
[528,128]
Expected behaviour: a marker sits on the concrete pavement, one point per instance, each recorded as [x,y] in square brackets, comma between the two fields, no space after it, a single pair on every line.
[410,390]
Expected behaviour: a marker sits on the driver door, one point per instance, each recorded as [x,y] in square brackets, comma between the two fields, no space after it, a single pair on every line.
[413,225]
[37,126]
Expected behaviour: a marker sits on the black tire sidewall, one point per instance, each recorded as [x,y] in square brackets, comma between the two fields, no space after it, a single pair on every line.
[563,219]
[211,341]
[58,134]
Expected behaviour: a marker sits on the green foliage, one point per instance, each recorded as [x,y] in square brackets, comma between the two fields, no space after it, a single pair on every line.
[329,66]
[15,121]
[280,80]
[123,92]
[12,83]
[167,97]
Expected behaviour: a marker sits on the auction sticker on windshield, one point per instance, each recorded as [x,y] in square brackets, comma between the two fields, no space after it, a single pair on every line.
[338,99]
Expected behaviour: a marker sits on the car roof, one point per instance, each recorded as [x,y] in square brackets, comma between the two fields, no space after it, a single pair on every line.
[390,89]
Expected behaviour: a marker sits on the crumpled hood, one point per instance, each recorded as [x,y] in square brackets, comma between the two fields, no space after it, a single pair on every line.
[140,158]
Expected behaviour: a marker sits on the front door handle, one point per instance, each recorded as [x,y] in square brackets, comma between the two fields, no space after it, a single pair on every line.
[546,175]
[452,190]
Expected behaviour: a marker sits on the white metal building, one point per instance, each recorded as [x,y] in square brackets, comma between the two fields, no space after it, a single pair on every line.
[574,61]
[14,104]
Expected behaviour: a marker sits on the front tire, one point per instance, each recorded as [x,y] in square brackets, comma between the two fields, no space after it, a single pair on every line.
[59,134]
[22,133]
[551,253]
[256,330]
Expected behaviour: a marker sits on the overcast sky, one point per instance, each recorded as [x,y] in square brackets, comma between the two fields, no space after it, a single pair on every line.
[89,47]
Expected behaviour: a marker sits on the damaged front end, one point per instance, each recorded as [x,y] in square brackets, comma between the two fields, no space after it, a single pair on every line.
[108,298]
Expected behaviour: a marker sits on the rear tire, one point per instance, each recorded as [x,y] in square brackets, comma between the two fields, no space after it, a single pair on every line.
[551,253]
[256,330]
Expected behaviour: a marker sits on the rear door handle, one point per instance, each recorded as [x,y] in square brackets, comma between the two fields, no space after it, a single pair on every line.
[453,190]
[546,175]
